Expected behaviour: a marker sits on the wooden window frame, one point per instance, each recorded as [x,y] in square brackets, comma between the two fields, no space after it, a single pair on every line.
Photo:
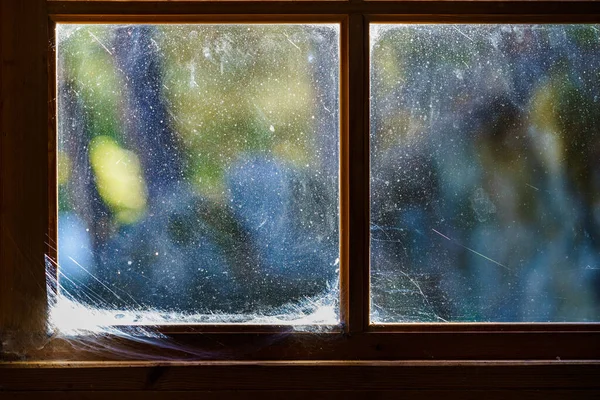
[419,359]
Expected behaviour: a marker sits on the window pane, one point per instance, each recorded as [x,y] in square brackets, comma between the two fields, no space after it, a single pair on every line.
[485,160]
[198,172]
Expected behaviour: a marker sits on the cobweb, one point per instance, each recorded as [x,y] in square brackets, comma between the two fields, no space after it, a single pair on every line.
[111,331]
[71,317]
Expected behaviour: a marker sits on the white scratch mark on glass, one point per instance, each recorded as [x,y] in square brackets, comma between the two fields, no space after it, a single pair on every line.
[471,250]
[100,43]
[290,40]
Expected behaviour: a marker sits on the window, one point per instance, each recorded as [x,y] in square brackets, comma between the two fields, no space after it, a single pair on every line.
[206,187]
[555,353]
[483,173]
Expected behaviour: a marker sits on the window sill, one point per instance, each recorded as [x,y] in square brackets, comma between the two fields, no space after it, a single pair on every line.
[368,347]
[419,379]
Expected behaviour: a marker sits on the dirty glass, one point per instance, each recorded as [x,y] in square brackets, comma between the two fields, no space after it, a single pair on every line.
[198,172]
[485,173]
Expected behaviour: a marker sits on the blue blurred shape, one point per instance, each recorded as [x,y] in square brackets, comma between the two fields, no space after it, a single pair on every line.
[173,259]
[286,214]
[76,259]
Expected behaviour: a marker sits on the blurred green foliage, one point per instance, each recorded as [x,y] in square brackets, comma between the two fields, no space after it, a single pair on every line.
[229,90]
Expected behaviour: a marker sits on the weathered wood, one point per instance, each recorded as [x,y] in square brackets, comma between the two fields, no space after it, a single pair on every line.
[426,9]
[358,169]
[329,395]
[301,376]
[24,212]
[533,394]
[434,346]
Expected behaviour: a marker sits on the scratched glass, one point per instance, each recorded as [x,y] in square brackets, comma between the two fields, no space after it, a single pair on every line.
[485,163]
[198,172]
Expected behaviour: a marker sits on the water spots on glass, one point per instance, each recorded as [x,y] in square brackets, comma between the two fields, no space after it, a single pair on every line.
[198,172]
[485,173]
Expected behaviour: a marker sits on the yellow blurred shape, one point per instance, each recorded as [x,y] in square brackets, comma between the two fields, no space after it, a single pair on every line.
[119,179]
[283,103]
[390,68]
[63,167]
[544,116]
[295,154]
[544,111]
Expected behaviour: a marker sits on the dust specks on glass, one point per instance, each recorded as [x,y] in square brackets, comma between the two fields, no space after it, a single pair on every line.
[485,173]
[198,172]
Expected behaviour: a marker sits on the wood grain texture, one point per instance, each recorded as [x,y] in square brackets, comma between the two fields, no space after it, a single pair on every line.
[24,212]
[534,394]
[301,376]
[440,346]
[359,173]
[493,9]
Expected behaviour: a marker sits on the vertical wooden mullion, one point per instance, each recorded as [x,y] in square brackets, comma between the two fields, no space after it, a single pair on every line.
[24,214]
[358,318]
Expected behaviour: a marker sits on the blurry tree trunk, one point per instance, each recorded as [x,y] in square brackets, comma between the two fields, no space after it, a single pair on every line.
[146,119]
